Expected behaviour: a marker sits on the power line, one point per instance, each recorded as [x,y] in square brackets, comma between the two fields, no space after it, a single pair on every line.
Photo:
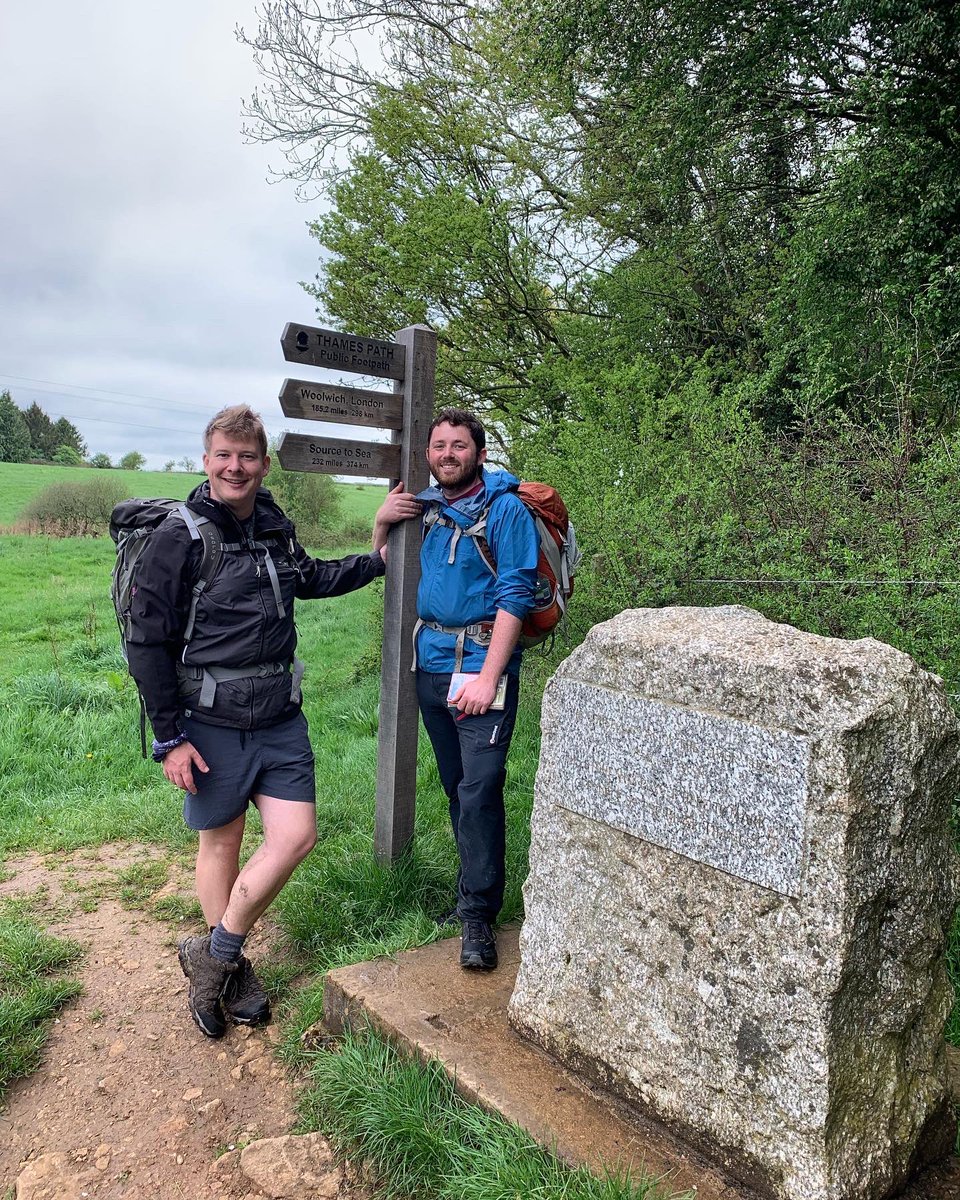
[105,391]
[125,424]
[121,421]
[817,582]
[62,390]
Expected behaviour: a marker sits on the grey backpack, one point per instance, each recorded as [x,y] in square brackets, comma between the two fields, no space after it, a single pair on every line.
[131,524]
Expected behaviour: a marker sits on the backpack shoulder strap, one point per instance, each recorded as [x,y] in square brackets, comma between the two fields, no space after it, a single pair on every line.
[201,529]
[435,515]
[478,530]
[432,514]
[193,523]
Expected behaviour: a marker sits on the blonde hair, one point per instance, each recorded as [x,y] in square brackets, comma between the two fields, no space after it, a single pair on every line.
[239,423]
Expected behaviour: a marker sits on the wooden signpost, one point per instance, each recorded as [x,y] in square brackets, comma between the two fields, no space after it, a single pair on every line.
[410,361]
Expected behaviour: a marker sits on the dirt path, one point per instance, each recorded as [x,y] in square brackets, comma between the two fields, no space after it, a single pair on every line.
[131,1099]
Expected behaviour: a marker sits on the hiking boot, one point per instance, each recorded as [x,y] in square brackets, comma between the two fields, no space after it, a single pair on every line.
[478,950]
[208,980]
[245,1002]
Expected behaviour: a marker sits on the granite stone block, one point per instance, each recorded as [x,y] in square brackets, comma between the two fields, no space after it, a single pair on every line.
[741,882]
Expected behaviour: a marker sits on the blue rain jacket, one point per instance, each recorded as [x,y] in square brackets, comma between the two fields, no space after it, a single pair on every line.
[465,591]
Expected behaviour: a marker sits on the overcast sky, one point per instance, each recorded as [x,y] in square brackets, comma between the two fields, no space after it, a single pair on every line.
[147,267]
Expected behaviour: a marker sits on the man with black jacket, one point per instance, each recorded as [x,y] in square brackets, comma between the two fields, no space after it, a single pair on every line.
[223,696]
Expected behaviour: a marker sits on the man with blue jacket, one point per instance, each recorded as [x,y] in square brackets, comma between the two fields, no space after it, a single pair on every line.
[469,622]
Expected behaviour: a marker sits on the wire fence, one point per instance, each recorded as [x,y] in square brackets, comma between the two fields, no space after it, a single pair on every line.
[927,588]
[764,582]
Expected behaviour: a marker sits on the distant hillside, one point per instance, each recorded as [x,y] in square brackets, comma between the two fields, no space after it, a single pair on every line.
[20,482]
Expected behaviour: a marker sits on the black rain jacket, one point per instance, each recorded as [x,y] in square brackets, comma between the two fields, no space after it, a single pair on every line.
[238,618]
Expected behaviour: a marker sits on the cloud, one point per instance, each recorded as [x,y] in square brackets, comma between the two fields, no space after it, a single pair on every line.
[144,251]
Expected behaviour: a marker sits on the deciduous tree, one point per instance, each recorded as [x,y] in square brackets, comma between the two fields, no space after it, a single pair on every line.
[770,189]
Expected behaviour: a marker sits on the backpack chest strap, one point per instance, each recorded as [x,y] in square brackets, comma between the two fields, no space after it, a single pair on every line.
[481,632]
[477,531]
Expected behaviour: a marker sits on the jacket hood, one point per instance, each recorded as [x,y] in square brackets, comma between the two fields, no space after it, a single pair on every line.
[495,483]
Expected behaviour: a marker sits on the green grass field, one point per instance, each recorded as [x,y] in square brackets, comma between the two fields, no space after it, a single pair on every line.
[20,482]
[73,776]
[32,987]
[360,500]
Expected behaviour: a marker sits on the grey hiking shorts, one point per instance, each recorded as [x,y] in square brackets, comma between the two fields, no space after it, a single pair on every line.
[244,763]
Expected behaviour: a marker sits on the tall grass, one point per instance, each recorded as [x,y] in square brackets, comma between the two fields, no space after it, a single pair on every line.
[424,1141]
[56,595]
[31,988]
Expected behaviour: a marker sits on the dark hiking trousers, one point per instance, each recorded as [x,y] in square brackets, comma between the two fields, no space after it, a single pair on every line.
[471,754]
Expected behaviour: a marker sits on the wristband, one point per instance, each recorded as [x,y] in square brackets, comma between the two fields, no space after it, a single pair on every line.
[161,749]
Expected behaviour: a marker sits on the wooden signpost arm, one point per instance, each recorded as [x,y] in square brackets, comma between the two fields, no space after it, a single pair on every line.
[397,747]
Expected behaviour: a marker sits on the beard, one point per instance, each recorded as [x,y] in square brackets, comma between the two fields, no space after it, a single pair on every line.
[457,477]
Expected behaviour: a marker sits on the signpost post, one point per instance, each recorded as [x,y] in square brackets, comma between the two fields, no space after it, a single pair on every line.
[410,361]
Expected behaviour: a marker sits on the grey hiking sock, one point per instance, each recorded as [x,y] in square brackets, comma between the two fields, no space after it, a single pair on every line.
[226,946]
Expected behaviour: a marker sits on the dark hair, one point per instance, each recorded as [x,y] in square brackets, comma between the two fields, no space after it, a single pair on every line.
[460,417]
[239,423]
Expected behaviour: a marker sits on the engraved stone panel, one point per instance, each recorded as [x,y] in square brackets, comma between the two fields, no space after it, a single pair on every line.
[726,793]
